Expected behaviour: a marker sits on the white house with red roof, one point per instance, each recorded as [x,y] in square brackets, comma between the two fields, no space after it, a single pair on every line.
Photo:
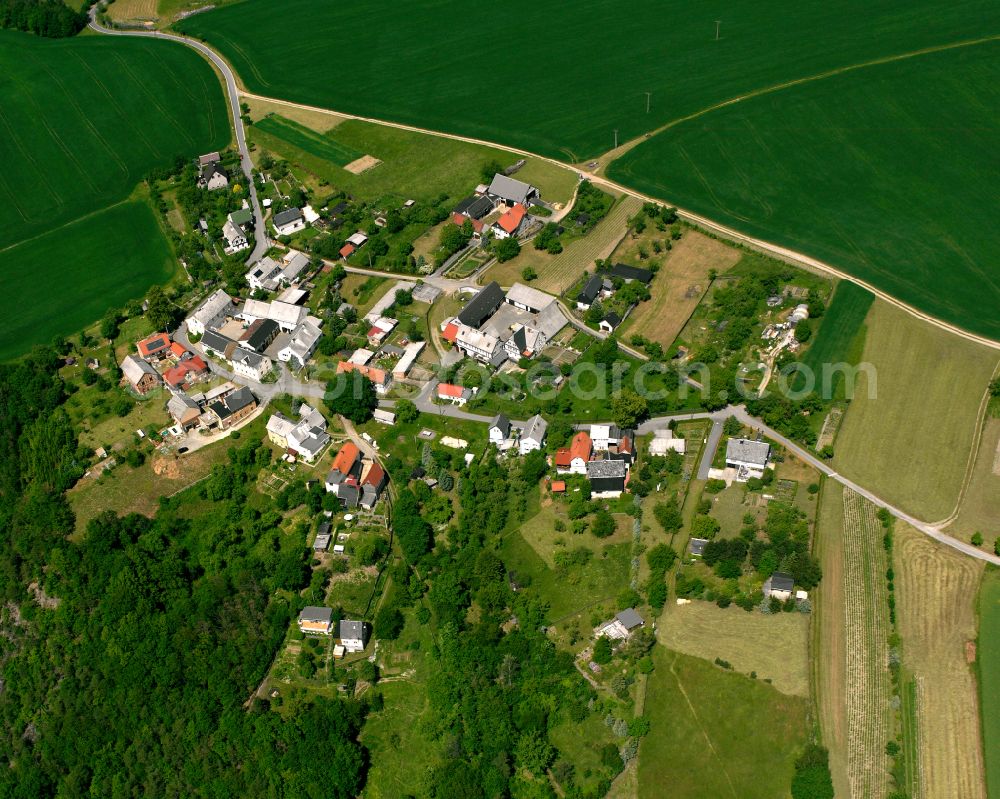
[456,395]
[510,223]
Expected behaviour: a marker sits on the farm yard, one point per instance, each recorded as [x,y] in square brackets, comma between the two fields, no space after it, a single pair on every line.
[793,167]
[716,733]
[679,285]
[988,659]
[99,114]
[930,387]
[936,606]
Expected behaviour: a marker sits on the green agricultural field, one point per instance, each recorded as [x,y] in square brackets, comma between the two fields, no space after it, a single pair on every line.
[910,441]
[61,281]
[989,675]
[858,171]
[307,140]
[560,79]
[81,122]
[841,335]
[717,733]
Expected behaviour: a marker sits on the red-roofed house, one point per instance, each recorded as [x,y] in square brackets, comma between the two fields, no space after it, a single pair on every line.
[380,328]
[477,225]
[379,377]
[342,480]
[450,332]
[346,251]
[580,449]
[154,347]
[185,372]
[177,351]
[559,486]
[456,395]
[373,480]
[508,224]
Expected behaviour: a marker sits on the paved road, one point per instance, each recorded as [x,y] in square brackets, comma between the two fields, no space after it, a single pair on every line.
[714,437]
[262,243]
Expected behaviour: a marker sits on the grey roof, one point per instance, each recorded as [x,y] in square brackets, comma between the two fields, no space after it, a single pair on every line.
[215,341]
[535,428]
[590,290]
[626,272]
[213,307]
[501,422]
[260,334]
[630,619]
[607,468]
[529,297]
[348,495]
[747,451]
[696,546]
[208,171]
[781,582]
[241,216]
[316,614]
[249,357]
[482,306]
[322,542]
[179,404]
[284,217]
[612,319]
[351,629]
[511,190]
[475,207]
[234,402]
[135,368]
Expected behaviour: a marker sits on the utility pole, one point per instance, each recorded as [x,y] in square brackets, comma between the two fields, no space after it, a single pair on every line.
[616,138]
[718,22]
[648,95]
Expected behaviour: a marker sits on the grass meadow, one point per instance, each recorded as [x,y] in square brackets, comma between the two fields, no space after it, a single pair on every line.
[307,140]
[81,122]
[936,590]
[841,334]
[559,80]
[980,510]
[860,171]
[910,443]
[716,733]
[989,674]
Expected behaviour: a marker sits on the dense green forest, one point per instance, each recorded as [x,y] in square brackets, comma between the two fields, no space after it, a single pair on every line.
[127,657]
[50,18]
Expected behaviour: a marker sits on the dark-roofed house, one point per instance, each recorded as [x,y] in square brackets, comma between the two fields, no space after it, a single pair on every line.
[607,478]
[314,619]
[630,273]
[259,335]
[352,635]
[779,585]
[499,429]
[511,192]
[482,306]
[287,222]
[748,457]
[234,407]
[184,410]
[216,344]
[213,176]
[533,436]
[589,292]
[696,546]
[475,207]
[610,322]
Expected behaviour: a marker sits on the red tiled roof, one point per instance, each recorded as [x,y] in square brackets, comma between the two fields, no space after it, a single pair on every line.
[346,250]
[377,376]
[375,476]
[563,457]
[580,446]
[460,220]
[346,458]
[177,375]
[196,364]
[625,445]
[511,220]
[450,390]
[153,344]
[177,350]
[450,332]
[558,486]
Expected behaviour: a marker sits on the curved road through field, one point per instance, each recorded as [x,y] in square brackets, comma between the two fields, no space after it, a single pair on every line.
[424,401]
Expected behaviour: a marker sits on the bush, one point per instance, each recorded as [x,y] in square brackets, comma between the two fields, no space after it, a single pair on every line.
[602,650]
[977,539]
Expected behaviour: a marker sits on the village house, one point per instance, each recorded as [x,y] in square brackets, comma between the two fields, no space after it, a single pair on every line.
[302,344]
[316,620]
[607,478]
[154,347]
[233,408]
[213,176]
[574,459]
[665,441]
[622,625]
[499,430]
[589,293]
[380,328]
[287,315]
[379,378]
[477,225]
[779,585]
[630,273]
[352,635]
[749,458]
[142,377]
[603,436]
[269,275]
[342,479]
[185,372]
[510,223]
[474,207]
[218,345]
[456,395]
[533,437]
[183,410]
[610,322]
[250,365]
[304,439]
[510,192]
[210,314]
[287,222]
[373,482]
[409,357]
[235,237]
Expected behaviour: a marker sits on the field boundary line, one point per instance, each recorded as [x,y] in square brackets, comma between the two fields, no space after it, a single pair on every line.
[64,225]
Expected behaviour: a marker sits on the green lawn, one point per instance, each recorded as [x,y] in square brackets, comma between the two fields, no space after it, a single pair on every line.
[307,140]
[61,281]
[82,121]
[989,675]
[840,333]
[717,733]
[588,65]
[859,171]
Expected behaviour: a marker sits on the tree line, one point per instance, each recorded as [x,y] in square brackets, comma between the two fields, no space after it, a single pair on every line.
[50,18]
